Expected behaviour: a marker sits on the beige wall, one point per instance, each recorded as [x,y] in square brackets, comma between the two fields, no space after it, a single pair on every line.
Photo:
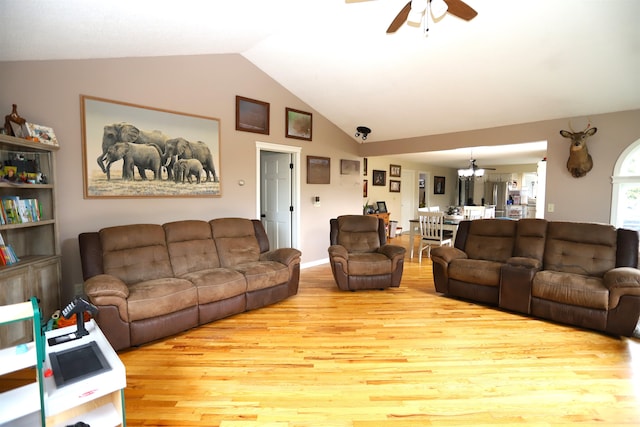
[47,93]
[578,199]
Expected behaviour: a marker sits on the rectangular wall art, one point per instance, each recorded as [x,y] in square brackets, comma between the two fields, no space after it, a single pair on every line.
[132,151]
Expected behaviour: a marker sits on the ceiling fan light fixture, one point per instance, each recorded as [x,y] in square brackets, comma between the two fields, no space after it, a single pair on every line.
[465,173]
[417,11]
[438,8]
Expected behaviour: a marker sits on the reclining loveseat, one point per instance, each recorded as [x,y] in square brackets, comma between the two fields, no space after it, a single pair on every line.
[582,274]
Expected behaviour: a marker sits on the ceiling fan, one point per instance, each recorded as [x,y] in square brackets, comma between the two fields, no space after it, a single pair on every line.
[415,10]
[473,170]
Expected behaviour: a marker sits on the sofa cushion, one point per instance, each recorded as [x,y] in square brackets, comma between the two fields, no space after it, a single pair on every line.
[580,248]
[135,253]
[369,264]
[572,289]
[476,271]
[358,233]
[157,297]
[263,274]
[491,240]
[217,284]
[235,240]
[191,246]
[530,238]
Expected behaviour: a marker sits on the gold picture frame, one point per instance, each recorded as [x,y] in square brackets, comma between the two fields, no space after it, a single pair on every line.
[113,130]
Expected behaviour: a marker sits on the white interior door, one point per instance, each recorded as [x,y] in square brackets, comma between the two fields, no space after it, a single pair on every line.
[276,197]
[410,198]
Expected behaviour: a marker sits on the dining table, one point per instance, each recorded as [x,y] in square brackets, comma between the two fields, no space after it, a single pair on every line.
[450,224]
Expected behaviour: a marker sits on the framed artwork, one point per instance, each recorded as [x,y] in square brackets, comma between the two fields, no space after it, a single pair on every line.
[299,124]
[382,207]
[379,177]
[349,167]
[365,166]
[394,186]
[365,188]
[252,115]
[438,184]
[318,170]
[133,151]
[395,170]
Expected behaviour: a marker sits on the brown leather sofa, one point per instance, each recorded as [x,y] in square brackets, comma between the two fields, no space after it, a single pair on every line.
[359,255]
[151,281]
[582,274]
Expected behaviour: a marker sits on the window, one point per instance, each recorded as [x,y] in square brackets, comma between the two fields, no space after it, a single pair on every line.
[625,201]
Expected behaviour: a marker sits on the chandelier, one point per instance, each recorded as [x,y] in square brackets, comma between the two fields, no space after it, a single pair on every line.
[470,173]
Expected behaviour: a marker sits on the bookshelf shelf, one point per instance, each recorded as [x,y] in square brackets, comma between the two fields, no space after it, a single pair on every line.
[35,243]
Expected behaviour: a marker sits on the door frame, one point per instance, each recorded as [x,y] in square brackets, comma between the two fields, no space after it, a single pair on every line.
[295,183]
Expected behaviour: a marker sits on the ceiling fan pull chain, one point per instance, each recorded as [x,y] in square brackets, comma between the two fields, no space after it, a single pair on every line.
[425,19]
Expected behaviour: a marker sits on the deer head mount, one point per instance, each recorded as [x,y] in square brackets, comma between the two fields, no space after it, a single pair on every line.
[580,161]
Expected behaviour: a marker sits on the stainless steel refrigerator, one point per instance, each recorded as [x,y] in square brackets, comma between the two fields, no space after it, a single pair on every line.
[496,193]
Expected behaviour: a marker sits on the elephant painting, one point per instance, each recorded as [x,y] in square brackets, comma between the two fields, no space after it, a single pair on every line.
[142,156]
[126,132]
[186,168]
[180,148]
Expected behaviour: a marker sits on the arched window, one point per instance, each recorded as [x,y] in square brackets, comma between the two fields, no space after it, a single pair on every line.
[625,201]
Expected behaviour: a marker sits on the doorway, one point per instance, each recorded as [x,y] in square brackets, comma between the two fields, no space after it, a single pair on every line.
[278,193]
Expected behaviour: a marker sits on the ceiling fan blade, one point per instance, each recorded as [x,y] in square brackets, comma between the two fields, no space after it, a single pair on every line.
[460,9]
[400,19]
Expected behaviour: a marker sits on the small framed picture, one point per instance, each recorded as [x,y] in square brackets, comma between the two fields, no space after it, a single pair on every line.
[382,207]
[395,170]
[349,167]
[438,184]
[365,166]
[365,188]
[299,124]
[43,133]
[252,115]
[379,177]
[394,186]
[318,170]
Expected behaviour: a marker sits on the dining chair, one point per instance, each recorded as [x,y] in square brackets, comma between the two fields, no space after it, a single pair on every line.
[473,212]
[489,211]
[431,232]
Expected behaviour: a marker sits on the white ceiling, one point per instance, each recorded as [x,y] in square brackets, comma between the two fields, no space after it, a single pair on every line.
[518,61]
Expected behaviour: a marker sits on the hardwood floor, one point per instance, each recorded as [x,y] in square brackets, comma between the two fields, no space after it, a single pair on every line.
[399,357]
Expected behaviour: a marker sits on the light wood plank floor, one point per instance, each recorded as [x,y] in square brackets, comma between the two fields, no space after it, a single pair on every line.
[399,357]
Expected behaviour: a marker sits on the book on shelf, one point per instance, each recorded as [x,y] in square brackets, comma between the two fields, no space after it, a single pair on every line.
[16,210]
[10,205]
[7,254]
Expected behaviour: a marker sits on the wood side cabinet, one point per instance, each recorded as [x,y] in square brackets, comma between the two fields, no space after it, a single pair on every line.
[34,239]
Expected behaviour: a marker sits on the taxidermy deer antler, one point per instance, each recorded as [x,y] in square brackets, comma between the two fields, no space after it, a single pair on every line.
[580,161]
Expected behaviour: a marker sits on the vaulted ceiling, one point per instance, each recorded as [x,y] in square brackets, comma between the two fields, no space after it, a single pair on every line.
[518,61]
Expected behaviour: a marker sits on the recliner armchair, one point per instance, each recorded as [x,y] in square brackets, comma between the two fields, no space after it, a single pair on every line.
[359,255]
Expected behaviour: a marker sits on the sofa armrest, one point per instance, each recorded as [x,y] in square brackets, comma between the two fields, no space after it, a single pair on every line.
[621,281]
[286,256]
[395,253]
[104,290]
[392,251]
[525,262]
[338,251]
[447,253]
